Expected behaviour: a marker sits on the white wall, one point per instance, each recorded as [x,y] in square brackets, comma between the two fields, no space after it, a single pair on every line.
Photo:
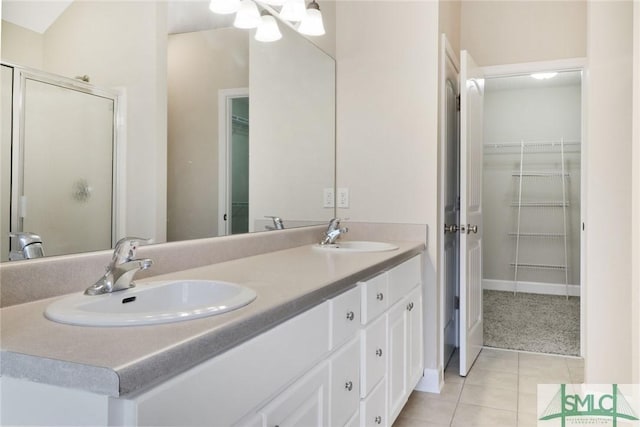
[21,46]
[199,65]
[123,45]
[387,112]
[510,32]
[608,254]
[635,226]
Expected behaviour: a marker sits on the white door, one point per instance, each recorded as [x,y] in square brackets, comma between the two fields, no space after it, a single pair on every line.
[471,99]
[450,196]
[233,161]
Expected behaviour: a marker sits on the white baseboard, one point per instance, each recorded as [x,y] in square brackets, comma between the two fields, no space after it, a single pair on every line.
[530,287]
[431,381]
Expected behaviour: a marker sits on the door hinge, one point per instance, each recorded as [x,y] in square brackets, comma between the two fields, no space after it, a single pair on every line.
[457,303]
[458,103]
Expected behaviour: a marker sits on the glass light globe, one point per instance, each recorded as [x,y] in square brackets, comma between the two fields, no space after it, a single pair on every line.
[268,30]
[224,7]
[312,24]
[293,10]
[248,15]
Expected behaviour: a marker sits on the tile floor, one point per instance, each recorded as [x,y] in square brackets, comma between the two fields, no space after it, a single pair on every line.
[500,391]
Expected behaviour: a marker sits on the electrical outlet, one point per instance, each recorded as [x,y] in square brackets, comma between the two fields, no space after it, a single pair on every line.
[328,198]
[343,197]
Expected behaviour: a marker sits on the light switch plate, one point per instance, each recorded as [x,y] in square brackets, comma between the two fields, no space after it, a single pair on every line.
[328,198]
[343,197]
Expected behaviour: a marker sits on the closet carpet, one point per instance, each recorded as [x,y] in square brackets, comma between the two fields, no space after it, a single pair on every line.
[532,322]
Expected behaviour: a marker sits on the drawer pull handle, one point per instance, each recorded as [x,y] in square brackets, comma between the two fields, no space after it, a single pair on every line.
[380,296]
[348,386]
[410,306]
[378,419]
[351,315]
[379,352]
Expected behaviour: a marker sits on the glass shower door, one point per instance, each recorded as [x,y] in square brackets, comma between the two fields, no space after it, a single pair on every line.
[66,168]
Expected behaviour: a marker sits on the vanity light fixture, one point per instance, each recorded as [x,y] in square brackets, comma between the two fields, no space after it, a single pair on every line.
[312,24]
[293,10]
[248,15]
[544,76]
[224,7]
[268,30]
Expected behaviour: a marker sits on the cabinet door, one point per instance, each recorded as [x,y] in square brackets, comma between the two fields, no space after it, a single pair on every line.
[374,355]
[397,368]
[305,403]
[414,336]
[345,383]
[373,409]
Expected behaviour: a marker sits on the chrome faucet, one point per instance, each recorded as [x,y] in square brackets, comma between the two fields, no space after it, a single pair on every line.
[30,246]
[123,267]
[277,223]
[333,232]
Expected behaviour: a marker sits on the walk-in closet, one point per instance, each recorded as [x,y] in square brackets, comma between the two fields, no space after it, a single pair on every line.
[531,201]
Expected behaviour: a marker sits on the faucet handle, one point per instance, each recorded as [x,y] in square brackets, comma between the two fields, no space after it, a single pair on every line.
[277,222]
[125,249]
[25,238]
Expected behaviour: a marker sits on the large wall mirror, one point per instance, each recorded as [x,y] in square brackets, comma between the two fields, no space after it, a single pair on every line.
[194,128]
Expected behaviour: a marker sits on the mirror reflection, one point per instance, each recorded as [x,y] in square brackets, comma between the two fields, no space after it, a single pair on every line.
[159,120]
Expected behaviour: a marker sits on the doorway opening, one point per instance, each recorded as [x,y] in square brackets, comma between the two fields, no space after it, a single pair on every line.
[233,150]
[531,195]
[531,160]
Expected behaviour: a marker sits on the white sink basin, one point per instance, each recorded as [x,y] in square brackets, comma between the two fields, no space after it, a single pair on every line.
[151,303]
[358,246]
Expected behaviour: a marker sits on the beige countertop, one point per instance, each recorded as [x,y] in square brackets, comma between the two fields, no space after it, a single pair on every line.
[117,361]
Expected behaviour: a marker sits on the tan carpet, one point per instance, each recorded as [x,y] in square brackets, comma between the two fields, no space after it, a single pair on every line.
[532,322]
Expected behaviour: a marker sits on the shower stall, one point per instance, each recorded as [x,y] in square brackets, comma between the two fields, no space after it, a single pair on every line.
[58,161]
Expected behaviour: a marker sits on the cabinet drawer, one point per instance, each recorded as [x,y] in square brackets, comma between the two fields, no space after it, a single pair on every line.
[373,411]
[345,316]
[374,297]
[345,383]
[403,278]
[374,355]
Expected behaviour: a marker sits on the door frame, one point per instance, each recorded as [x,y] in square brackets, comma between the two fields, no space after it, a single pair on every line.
[569,64]
[225,130]
[452,59]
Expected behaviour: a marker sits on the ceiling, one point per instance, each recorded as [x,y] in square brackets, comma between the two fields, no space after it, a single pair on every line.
[183,15]
[563,78]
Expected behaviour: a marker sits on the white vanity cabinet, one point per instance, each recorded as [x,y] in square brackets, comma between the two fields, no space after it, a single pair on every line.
[392,343]
[350,361]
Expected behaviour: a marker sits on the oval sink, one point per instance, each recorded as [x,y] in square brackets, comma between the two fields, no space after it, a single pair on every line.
[151,303]
[358,246]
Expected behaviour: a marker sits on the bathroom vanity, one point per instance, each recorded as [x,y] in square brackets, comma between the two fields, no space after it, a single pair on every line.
[332,339]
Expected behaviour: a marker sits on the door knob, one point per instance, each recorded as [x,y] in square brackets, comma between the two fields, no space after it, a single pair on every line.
[450,228]
[472,228]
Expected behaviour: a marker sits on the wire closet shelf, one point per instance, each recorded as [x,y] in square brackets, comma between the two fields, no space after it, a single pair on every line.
[522,176]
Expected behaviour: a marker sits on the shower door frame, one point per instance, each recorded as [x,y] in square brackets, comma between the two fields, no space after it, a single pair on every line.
[570,64]
[118,96]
